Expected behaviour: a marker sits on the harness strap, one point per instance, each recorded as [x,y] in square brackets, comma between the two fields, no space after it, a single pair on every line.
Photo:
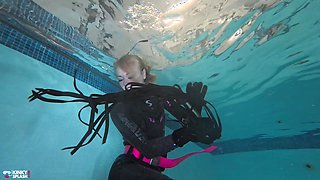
[163,161]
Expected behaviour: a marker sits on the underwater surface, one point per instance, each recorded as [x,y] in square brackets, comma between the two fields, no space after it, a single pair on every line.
[264,84]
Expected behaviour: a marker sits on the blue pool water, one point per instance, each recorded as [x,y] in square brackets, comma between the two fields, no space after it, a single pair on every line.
[267,95]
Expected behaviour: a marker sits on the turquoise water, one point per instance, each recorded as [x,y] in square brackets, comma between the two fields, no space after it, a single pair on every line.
[267,96]
[33,134]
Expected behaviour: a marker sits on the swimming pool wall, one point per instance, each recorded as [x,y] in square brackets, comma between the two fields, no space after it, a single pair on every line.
[33,134]
[28,28]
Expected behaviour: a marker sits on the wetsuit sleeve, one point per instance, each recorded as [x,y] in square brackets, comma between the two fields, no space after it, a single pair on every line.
[132,133]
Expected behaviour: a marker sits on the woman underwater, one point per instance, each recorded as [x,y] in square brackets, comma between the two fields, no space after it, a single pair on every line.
[138,112]
[142,123]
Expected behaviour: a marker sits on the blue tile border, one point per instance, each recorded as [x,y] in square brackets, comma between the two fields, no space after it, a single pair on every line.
[34,15]
[26,27]
[26,45]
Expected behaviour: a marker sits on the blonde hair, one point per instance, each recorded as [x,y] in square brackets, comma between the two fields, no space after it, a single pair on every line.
[126,62]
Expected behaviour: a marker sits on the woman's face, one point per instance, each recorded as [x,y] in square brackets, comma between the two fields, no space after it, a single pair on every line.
[133,73]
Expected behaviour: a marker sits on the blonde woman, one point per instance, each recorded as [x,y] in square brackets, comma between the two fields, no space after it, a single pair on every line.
[142,122]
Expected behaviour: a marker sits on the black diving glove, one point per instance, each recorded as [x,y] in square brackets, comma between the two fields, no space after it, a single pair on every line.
[196,93]
[183,135]
[202,130]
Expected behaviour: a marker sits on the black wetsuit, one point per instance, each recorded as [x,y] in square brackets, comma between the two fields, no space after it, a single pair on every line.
[141,123]
[138,113]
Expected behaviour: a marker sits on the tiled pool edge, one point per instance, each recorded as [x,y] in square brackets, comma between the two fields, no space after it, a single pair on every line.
[54,56]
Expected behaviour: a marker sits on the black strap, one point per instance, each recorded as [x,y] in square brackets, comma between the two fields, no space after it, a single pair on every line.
[136,91]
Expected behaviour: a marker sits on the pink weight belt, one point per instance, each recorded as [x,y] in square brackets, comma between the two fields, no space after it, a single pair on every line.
[162,161]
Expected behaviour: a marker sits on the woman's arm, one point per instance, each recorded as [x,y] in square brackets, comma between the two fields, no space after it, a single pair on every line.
[132,133]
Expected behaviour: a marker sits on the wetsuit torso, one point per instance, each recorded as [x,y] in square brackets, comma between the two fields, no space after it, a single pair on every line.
[141,123]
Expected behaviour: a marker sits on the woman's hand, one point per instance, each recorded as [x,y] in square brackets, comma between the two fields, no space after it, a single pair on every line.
[196,93]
